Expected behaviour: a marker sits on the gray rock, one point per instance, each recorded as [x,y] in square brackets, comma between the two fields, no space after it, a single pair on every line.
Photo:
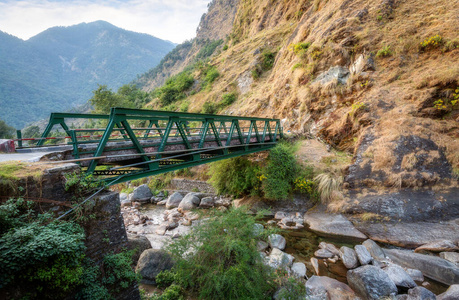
[315,265]
[262,246]
[174,200]
[438,246]
[258,229]
[280,215]
[333,74]
[151,263]
[277,241]
[161,230]
[416,275]
[433,267]
[299,270]
[139,243]
[371,282]
[323,253]
[349,257]
[189,202]
[125,203]
[161,203]
[225,202]
[420,293]
[123,196]
[207,202]
[330,247]
[450,256]
[279,259]
[333,225]
[375,251]
[325,288]
[161,194]
[399,276]
[363,255]
[401,297]
[452,293]
[142,194]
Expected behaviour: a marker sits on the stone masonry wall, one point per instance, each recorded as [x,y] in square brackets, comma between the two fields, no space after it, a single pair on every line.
[191,185]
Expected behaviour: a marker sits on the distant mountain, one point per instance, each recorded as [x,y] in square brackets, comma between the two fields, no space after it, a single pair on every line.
[60,67]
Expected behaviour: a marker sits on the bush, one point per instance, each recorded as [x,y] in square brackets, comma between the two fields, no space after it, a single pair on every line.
[209,108]
[280,172]
[235,176]
[384,52]
[431,42]
[224,262]
[174,88]
[228,99]
[267,61]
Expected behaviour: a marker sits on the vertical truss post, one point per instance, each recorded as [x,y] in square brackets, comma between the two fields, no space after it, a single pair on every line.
[163,143]
[265,128]
[103,141]
[249,136]
[74,140]
[135,142]
[205,128]
[19,135]
[255,127]
[217,136]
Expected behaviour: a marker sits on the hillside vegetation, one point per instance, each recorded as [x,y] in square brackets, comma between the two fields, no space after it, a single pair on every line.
[58,68]
[375,79]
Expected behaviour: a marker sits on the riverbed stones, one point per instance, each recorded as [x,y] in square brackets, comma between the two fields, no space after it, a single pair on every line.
[330,247]
[450,256]
[277,241]
[139,244]
[375,251]
[349,257]
[433,267]
[437,246]
[315,265]
[323,253]
[299,269]
[333,225]
[279,259]
[325,288]
[189,202]
[400,277]
[363,255]
[371,282]
[452,293]
[123,196]
[280,215]
[174,200]
[262,246]
[416,275]
[225,202]
[161,203]
[151,263]
[142,194]
[207,202]
[420,293]
[258,229]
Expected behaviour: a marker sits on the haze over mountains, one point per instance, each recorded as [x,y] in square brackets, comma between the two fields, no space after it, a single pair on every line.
[60,67]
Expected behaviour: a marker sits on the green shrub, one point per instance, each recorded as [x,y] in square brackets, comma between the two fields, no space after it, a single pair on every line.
[224,262]
[228,99]
[384,52]
[280,172]
[267,60]
[225,47]
[209,108]
[174,88]
[208,48]
[431,42]
[118,271]
[235,176]
[210,75]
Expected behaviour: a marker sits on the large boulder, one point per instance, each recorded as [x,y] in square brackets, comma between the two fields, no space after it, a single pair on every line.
[333,225]
[151,263]
[420,293]
[299,270]
[371,282]
[189,202]
[438,246]
[139,244]
[279,259]
[174,200]
[400,277]
[431,266]
[349,257]
[207,202]
[452,293]
[325,288]
[375,251]
[277,241]
[142,194]
[363,255]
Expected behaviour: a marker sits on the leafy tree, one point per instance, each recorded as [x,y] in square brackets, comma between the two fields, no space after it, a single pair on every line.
[6,132]
[31,132]
[127,96]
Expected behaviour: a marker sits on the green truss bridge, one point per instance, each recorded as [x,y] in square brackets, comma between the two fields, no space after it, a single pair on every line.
[129,144]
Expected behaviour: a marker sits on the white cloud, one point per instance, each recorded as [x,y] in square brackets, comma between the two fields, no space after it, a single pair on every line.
[174,20]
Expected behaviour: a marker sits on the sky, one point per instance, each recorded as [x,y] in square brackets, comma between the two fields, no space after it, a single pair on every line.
[173,20]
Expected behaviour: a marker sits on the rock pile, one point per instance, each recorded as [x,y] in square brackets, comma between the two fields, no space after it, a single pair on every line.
[375,273]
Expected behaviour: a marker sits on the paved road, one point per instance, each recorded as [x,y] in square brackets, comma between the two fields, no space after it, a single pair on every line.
[29,157]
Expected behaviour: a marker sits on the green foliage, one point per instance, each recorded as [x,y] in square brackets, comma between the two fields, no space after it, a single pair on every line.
[31,132]
[174,88]
[209,108]
[224,263]
[211,75]
[228,99]
[80,184]
[225,47]
[448,104]
[118,271]
[129,96]
[384,52]
[280,172]
[236,176]
[291,289]
[431,42]
[6,132]
[208,48]
[44,257]
[300,49]
[212,108]
[267,59]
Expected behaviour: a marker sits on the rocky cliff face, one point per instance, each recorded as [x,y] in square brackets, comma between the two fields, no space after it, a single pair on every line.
[376,79]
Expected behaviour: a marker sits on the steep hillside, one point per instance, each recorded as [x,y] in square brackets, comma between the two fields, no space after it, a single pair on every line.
[60,67]
[375,79]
